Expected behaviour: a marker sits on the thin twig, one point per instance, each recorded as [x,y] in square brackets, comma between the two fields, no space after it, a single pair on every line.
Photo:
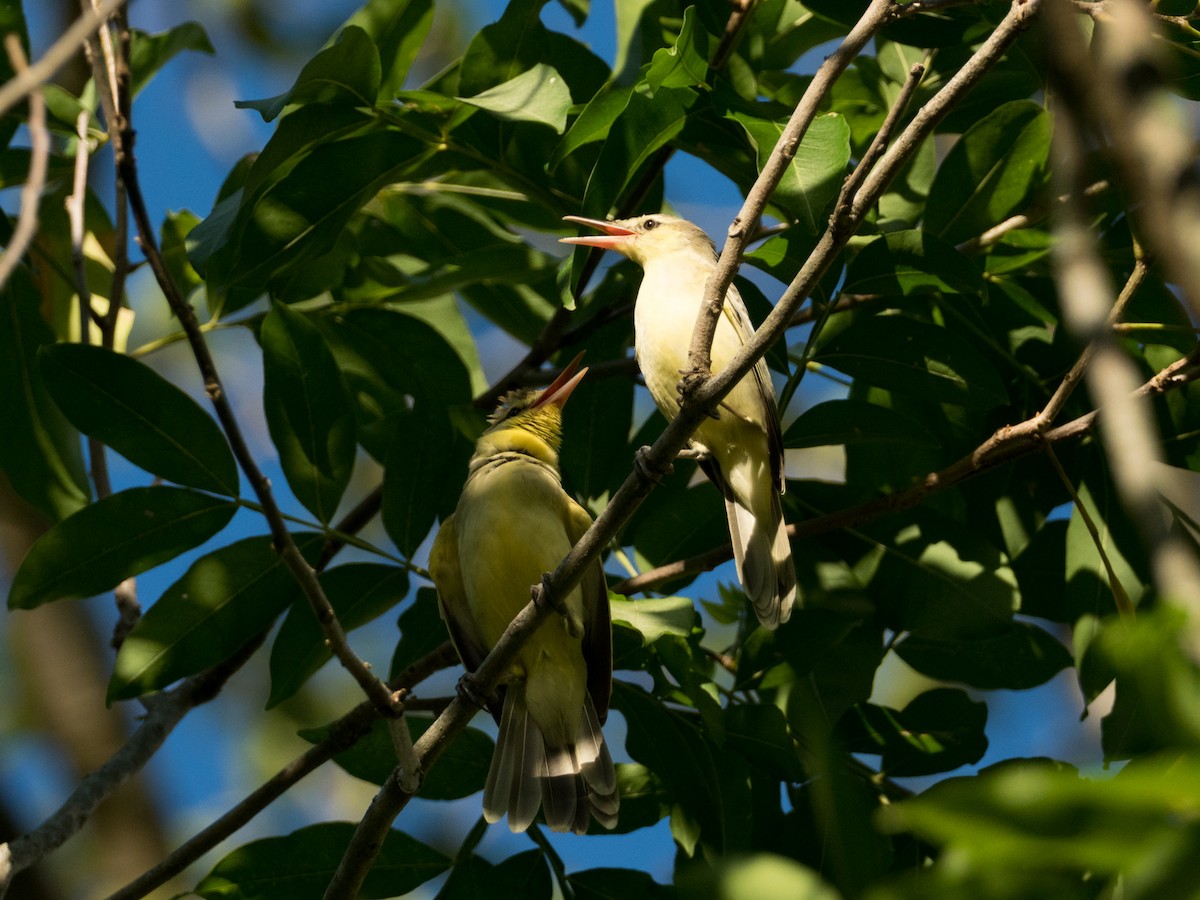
[39,140]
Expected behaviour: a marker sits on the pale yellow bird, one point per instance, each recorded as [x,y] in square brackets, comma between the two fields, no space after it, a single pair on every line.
[514,522]
[743,444]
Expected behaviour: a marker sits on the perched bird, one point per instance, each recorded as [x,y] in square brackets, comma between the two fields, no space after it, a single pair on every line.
[742,445]
[514,522]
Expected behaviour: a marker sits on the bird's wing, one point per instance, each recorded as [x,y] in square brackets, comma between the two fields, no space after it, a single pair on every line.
[446,570]
[597,624]
[736,313]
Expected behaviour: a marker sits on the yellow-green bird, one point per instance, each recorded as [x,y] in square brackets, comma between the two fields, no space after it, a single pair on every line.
[514,522]
[743,444]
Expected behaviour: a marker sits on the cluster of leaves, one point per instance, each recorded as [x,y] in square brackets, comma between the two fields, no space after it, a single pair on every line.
[376,211]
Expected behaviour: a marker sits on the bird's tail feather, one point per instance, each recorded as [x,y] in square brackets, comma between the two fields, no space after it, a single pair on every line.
[570,783]
[763,556]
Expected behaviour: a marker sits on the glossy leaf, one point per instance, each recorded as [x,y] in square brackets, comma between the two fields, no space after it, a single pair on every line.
[685,63]
[309,413]
[141,415]
[538,94]
[150,52]
[359,593]
[1023,656]
[398,28]
[904,355]
[814,177]
[992,172]
[301,864]
[347,72]
[655,616]
[114,538]
[223,601]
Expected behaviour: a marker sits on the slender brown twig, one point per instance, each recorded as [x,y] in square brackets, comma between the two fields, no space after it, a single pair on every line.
[39,139]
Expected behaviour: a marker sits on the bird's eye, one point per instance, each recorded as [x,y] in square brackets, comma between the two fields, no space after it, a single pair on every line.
[649,224]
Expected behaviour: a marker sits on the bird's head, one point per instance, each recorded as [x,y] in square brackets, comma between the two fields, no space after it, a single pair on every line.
[645,238]
[530,421]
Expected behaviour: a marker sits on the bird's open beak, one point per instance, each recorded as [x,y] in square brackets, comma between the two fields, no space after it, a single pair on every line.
[614,235]
[560,388]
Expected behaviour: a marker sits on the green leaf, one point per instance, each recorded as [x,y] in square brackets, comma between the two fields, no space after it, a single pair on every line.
[536,95]
[813,179]
[592,124]
[1023,656]
[300,865]
[461,770]
[677,521]
[112,539]
[223,601]
[594,457]
[359,593]
[150,52]
[708,787]
[914,358]
[347,72]
[906,263]
[309,412]
[421,631]
[417,473]
[938,731]
[398,28]
[141,415]
[655,616]
[992,172]
[645,125]
[685,63]
[525,876]
[175,229]
[760,733]
[40,452]
[841,422]
[302,215]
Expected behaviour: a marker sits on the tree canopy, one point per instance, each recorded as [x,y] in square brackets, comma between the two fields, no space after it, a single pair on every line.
[971,222]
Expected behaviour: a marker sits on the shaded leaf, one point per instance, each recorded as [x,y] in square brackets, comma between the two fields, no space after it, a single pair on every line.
[223,601]
[460,770]
[841,422]
[358,592]
[150,52]
[121,535]
[617,884]
[421,631]
[938,731]
[309,413]
[141,415]
[40,452]
[398,28]
[525,876]
[911,357]
[1022,656]
[300,865]
[904,263]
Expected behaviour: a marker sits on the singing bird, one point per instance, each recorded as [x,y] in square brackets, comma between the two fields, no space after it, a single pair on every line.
[742,445]
[514,522]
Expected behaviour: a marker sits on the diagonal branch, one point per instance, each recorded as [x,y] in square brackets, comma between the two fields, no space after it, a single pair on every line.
[39,139]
